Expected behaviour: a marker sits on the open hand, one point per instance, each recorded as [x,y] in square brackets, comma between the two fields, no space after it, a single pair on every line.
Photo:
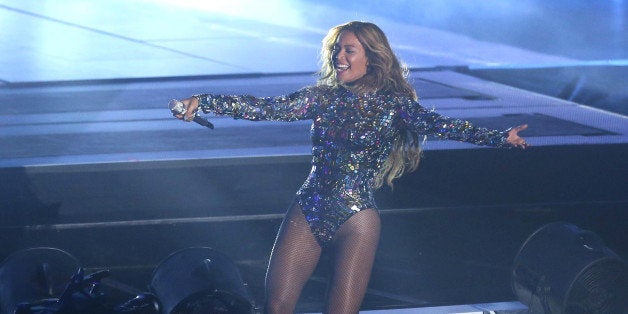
[514,139]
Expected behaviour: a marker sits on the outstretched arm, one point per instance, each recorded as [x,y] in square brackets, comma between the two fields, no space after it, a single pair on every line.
[429,122]
[299,105]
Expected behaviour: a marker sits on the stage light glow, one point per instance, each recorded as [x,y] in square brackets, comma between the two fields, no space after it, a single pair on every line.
[276,12]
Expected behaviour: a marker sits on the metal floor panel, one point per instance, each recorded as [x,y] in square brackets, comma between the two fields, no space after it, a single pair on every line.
[120,122]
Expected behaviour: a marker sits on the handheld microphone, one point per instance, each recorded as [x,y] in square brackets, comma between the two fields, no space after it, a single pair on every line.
[177,107]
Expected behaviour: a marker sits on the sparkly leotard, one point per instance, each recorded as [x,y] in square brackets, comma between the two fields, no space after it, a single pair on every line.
[352,136]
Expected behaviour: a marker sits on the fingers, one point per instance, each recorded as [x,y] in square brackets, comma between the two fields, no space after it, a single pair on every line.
[514,139]
[521,143]
[518,129]
[524,144]
[517,141]
[521,127]
[191,105]
[189,116]
[185,109]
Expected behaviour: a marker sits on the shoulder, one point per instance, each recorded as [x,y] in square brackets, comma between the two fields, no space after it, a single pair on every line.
[321,89]
[319,92]
[394,100]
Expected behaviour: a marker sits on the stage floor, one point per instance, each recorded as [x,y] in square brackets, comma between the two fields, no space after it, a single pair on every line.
[126,122]
[89,83]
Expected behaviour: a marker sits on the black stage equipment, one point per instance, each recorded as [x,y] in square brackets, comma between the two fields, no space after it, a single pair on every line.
[200,280]
[50,281]
[34,274]
[561,268]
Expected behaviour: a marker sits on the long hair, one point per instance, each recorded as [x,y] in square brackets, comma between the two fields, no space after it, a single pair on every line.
[384,73]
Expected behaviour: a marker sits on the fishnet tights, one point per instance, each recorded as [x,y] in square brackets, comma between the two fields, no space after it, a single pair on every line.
[296,254]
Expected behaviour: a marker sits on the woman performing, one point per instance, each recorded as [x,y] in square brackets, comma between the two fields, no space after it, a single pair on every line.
[365,132]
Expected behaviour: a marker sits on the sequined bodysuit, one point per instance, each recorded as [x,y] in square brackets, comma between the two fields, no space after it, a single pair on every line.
[352,136]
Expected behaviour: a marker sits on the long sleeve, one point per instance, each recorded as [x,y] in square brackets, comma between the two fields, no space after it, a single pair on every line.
[300,105]
[428,122]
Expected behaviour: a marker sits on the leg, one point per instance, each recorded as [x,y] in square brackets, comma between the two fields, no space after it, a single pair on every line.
[354,250]
[292,262]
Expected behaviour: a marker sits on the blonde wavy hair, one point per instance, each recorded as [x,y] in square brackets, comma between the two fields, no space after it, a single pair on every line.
[384,73]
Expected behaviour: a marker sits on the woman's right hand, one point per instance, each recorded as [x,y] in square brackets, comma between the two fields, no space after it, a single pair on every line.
[191,106]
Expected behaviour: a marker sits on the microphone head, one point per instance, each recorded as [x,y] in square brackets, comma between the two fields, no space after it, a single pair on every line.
[176,107]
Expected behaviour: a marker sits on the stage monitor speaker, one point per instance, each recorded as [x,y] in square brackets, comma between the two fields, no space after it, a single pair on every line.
[561,268]
[34,274]
[200,280]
